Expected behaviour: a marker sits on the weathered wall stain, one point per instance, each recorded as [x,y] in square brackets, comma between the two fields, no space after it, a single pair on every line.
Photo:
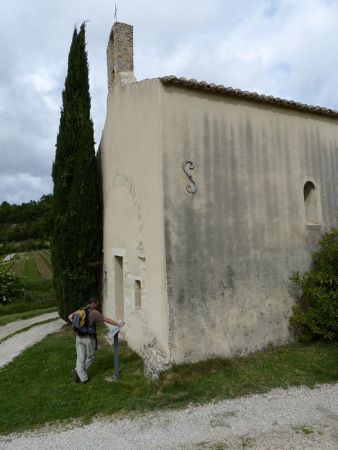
[231,249]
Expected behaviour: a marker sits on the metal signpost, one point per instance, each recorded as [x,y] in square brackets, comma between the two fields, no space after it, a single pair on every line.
[113,339]
[116,357]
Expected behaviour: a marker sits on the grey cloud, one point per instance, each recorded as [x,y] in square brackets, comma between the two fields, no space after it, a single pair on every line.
[278,47]
[14,188]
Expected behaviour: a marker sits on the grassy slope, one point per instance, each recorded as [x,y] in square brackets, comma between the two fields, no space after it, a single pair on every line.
[46,255]
[38,387]
[30,270]
[30,264]
[15,264]
[40,297]
[44,265]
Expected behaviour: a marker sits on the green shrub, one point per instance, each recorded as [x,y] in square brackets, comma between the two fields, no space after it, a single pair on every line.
[11,287]
[316,312]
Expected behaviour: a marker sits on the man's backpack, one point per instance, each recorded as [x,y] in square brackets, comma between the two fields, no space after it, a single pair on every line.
[80,322]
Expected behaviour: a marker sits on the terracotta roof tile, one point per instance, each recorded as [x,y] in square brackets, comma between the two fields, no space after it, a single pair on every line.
[254,96]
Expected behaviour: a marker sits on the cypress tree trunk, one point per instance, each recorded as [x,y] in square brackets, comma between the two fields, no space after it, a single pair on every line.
[77,213]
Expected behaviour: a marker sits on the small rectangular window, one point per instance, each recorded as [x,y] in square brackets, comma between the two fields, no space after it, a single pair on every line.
[119,290]
[137,294]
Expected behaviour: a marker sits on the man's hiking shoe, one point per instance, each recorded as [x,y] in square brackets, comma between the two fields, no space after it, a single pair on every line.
[76,376]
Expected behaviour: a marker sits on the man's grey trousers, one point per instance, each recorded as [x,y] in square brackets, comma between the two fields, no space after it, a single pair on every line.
[85,351]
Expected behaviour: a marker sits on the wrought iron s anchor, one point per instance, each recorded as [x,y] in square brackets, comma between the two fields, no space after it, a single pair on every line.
[191,187]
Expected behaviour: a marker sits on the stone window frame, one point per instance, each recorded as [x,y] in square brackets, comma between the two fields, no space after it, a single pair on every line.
[120,253]
[138,305]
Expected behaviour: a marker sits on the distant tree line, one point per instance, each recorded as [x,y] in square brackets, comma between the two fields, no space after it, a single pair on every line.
[26,226]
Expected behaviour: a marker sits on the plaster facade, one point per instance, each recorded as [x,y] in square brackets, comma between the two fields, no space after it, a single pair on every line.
[207,273]
[232,246]
[133,213]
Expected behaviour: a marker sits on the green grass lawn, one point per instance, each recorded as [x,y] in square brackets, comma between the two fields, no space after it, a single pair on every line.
[38,283]
[33,301]
[46,255]
[30,270]
[37,387]
[38,299]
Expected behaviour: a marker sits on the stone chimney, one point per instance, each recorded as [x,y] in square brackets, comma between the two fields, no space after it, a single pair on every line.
[120,55]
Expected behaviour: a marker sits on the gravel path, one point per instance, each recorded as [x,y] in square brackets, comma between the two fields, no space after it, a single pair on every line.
[298,418]
[8,257]
[14,345]
[13,327]
[293,419]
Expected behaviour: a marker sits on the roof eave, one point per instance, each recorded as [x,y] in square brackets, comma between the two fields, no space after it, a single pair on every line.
[251,96]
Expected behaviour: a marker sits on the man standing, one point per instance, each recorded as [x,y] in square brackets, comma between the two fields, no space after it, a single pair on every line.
[86,344]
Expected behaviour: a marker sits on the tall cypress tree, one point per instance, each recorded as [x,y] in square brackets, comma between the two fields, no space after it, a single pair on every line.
[77,214]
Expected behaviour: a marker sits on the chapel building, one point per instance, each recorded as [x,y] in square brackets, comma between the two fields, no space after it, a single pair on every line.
[213,196]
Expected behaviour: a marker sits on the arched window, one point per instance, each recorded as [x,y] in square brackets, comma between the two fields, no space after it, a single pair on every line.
[311,203]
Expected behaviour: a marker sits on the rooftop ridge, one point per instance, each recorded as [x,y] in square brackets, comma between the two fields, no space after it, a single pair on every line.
[252,96]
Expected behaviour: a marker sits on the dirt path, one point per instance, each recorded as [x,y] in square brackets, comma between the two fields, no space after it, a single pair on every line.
[13,327]
[13,346]
[19,263]
[298,418]
[43,267]
[294,419]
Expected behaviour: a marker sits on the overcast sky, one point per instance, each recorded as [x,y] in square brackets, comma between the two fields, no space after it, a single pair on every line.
[286,48]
